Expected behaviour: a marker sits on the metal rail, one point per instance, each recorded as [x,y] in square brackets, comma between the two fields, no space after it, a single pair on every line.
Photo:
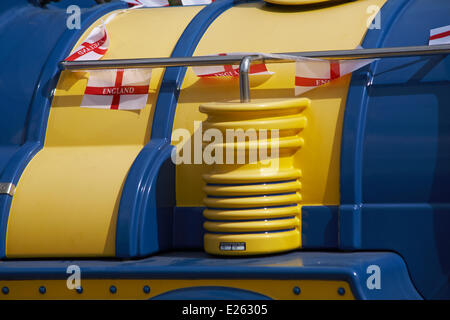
[245,60]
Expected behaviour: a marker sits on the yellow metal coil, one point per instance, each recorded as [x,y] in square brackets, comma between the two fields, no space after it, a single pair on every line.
[254,207]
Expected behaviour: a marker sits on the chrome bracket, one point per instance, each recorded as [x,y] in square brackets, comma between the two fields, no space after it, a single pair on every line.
[7,188]
[244,83]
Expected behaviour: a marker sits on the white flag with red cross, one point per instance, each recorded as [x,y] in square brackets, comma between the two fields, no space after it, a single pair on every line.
[165,3]
[94,47]
[440,35]
[312,73]
[117,89]
[195,2]
[230,70]
[148,3]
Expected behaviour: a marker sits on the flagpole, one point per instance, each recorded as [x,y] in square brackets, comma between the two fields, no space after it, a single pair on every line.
[237,58]
[245,60]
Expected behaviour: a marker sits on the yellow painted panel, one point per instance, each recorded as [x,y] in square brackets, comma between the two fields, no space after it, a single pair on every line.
[133,289]
[67,198]
[260,28]
[66,202]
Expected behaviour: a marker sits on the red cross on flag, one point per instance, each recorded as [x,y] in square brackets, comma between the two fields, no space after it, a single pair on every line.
[230,70]
[312,73]
[94,47]
[117,89]
[440,35]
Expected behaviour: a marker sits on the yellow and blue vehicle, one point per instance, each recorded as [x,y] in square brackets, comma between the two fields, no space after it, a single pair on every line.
[358,208]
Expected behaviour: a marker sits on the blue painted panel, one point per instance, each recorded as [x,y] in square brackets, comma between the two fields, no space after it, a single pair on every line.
[30,67]
[419,232]
[188,229]
[6,5]
[319,227]
[395,164]
[351,267]
[81,3]
[356,109]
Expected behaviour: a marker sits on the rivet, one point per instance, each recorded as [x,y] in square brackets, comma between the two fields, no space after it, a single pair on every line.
[42,290]
[146,289]
[5,290]
[296,290]
[113,289]
[80,289]
[341,291]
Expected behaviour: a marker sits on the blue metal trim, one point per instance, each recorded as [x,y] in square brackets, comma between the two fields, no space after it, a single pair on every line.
[40,107]
[353,131]
[132,208]
[350,267]
[144,222]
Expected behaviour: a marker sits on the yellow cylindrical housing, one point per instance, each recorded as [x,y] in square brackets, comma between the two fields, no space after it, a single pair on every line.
[253,193]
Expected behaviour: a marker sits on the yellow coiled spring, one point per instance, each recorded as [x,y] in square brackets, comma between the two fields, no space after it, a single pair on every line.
[253,203]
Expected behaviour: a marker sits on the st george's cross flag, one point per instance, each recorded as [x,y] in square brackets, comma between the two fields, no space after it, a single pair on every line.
[440,36]
[165,3]
[195,2]
[94,47]
[312,73]
[117,89]
[229,70]
[148,3]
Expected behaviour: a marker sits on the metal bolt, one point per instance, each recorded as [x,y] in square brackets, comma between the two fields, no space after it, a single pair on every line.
[341,291]
[42,290]
[113,289]
[297,290]
[146,289]
[5,290]
[80,289]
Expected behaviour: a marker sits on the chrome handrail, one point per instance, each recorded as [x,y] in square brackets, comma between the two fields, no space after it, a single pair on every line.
[245,60]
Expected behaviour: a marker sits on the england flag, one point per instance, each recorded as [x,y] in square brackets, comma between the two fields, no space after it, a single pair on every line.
[230,70]
[117,89]
[165,3]
[148,3]
[440,35]
[94,47]
[312,73]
